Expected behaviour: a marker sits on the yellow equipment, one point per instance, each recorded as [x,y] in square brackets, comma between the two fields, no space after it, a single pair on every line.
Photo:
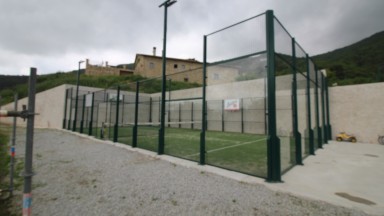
[345,137]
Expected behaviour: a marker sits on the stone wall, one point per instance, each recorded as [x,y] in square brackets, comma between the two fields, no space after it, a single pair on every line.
[100,70]
[358,109]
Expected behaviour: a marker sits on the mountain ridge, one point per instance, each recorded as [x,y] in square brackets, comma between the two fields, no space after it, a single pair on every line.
[358,63]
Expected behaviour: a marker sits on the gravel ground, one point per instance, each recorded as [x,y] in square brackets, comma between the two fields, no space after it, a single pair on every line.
[80,176]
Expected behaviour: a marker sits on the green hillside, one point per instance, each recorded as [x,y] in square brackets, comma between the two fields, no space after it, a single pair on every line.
[361,62]
[8,81]
[49,81]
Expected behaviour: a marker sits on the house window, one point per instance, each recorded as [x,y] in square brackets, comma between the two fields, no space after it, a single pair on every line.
[186,79]
[175,66]
[151,65]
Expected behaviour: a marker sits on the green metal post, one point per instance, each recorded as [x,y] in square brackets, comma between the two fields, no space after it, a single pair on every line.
[325,137]
[166,4]
[150,109]
[179,115]
[222,116]
[110,119]
[134,137]
[116,128]
[91,121]
[65,108]
[204,105]
[329,128]
[75,115]
[70,111]
[273,148]
[82,115]
[319,142]
[77,97]
[296,133]
[309,116]
[122,110]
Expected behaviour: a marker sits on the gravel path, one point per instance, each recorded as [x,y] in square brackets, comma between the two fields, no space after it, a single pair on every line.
[80,176]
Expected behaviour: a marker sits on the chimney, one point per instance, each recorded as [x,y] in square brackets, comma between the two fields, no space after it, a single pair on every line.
[87,62]
[106,64]
[154,51]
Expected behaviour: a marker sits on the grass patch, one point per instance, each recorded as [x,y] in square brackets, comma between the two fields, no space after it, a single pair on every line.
[4,168]
[4,156]
[18,180]
[246,153]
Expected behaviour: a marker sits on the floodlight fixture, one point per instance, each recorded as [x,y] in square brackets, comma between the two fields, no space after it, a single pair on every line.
[168,3]
[77,96]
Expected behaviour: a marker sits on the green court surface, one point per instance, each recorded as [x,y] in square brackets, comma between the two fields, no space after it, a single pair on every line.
[240,152]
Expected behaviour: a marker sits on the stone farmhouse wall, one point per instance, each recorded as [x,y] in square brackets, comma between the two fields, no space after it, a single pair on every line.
[98,70]
[151,66]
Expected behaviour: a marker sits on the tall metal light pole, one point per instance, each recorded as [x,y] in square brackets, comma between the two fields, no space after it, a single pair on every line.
[77,97]
[166,4]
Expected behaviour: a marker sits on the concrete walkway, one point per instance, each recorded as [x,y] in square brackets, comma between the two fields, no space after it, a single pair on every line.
[342,173]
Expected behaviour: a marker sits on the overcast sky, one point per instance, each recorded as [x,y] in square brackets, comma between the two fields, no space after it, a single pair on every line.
[54,35]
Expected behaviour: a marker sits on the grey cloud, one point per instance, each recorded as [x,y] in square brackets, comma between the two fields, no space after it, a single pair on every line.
[37,30]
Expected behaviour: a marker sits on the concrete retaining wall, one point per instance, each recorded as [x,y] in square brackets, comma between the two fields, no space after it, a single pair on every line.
[354,109]
[358,109]
[49,105]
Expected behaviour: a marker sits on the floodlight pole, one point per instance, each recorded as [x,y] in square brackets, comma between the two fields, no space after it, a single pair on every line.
[77,97]
[166,4]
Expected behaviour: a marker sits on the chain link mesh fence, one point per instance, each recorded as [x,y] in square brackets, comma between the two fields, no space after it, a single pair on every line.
[234,129]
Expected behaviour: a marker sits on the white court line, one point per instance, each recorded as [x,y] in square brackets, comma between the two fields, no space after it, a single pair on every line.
[227,147]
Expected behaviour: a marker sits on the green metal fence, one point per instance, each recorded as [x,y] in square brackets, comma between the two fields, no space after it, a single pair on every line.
[235,94]
[259,105]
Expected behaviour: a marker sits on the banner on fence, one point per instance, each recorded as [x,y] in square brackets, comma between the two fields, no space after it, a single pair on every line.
[232,104]
[88,100]
[113,97]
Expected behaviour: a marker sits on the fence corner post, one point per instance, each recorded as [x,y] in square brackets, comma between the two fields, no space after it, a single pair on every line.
[116,126]
[273,148]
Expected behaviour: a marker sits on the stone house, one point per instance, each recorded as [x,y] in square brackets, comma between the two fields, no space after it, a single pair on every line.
[100,70]
[150,66]
[183,70]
